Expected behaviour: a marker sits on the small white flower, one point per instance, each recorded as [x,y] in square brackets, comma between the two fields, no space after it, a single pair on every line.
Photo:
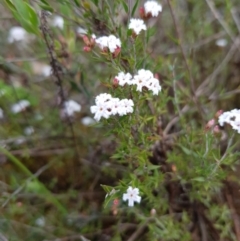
[132,196]
[111,42]
[71,106]
[29,130]
[17,34]
[123,78]
[224,118]
[232,118]
[127,106]
[81,31]
[106,106]
[145,78]
[153,8]
[87,121]
[100,110]
[102,42]
[1,113]
[114,106]
[221,42]
[40,221]
[58,22]
[104,97]
[20,106]
[46,70]
[137,25]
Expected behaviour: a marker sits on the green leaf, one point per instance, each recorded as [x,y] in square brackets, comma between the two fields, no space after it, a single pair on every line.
[46,7]
[45,2]
[199,179]
[134,8]
[10,5]
[24,14]
[106,188]
[125,6]
[77,3]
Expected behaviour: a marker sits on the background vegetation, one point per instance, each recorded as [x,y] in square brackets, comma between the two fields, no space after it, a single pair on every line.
[53,165]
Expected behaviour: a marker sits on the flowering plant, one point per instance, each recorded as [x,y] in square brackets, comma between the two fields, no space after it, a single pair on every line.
[151,132]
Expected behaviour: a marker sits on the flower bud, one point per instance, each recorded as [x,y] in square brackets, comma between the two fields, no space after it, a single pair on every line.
[153,212]
[217,131]
[87,49]
[218,113]
[142,12]
[210,124]
[86,40]
[116,52]
[115,83]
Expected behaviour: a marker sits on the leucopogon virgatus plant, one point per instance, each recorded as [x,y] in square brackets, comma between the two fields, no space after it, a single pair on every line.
[130,89]
[169,173]
[134,97]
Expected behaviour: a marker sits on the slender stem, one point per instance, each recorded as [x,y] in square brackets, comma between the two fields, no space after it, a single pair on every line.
[224,155]
[56,71]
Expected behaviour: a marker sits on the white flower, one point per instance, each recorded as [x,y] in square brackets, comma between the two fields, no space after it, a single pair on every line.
[102,42]
[127,106]
[20,106]
[71,106]
[1,113]
[87,121]
[40,221]
[104,97]
[46,70]
[114,106]
[124,78]
[100,110]
[17,34]
[106,106]
[153,8]
[137,25]
[81,31]
[224,118]
[58,22]
[153,85]
[221,42]
[232,118]
[132,196]
[28,130]
[113,43]
[110,42]
[145,78]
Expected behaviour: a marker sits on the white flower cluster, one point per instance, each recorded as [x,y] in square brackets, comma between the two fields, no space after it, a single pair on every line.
[137,25]
[132,195]
[232,118]
[144,78]
[17,34]
[153,8]
[58,22]
[110,43]
[20,106]
[106,106]
[70,107]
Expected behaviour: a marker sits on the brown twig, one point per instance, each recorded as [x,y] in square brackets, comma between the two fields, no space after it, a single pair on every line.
[56,68]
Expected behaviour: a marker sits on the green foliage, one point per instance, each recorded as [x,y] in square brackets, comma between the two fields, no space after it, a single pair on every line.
[73,176]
